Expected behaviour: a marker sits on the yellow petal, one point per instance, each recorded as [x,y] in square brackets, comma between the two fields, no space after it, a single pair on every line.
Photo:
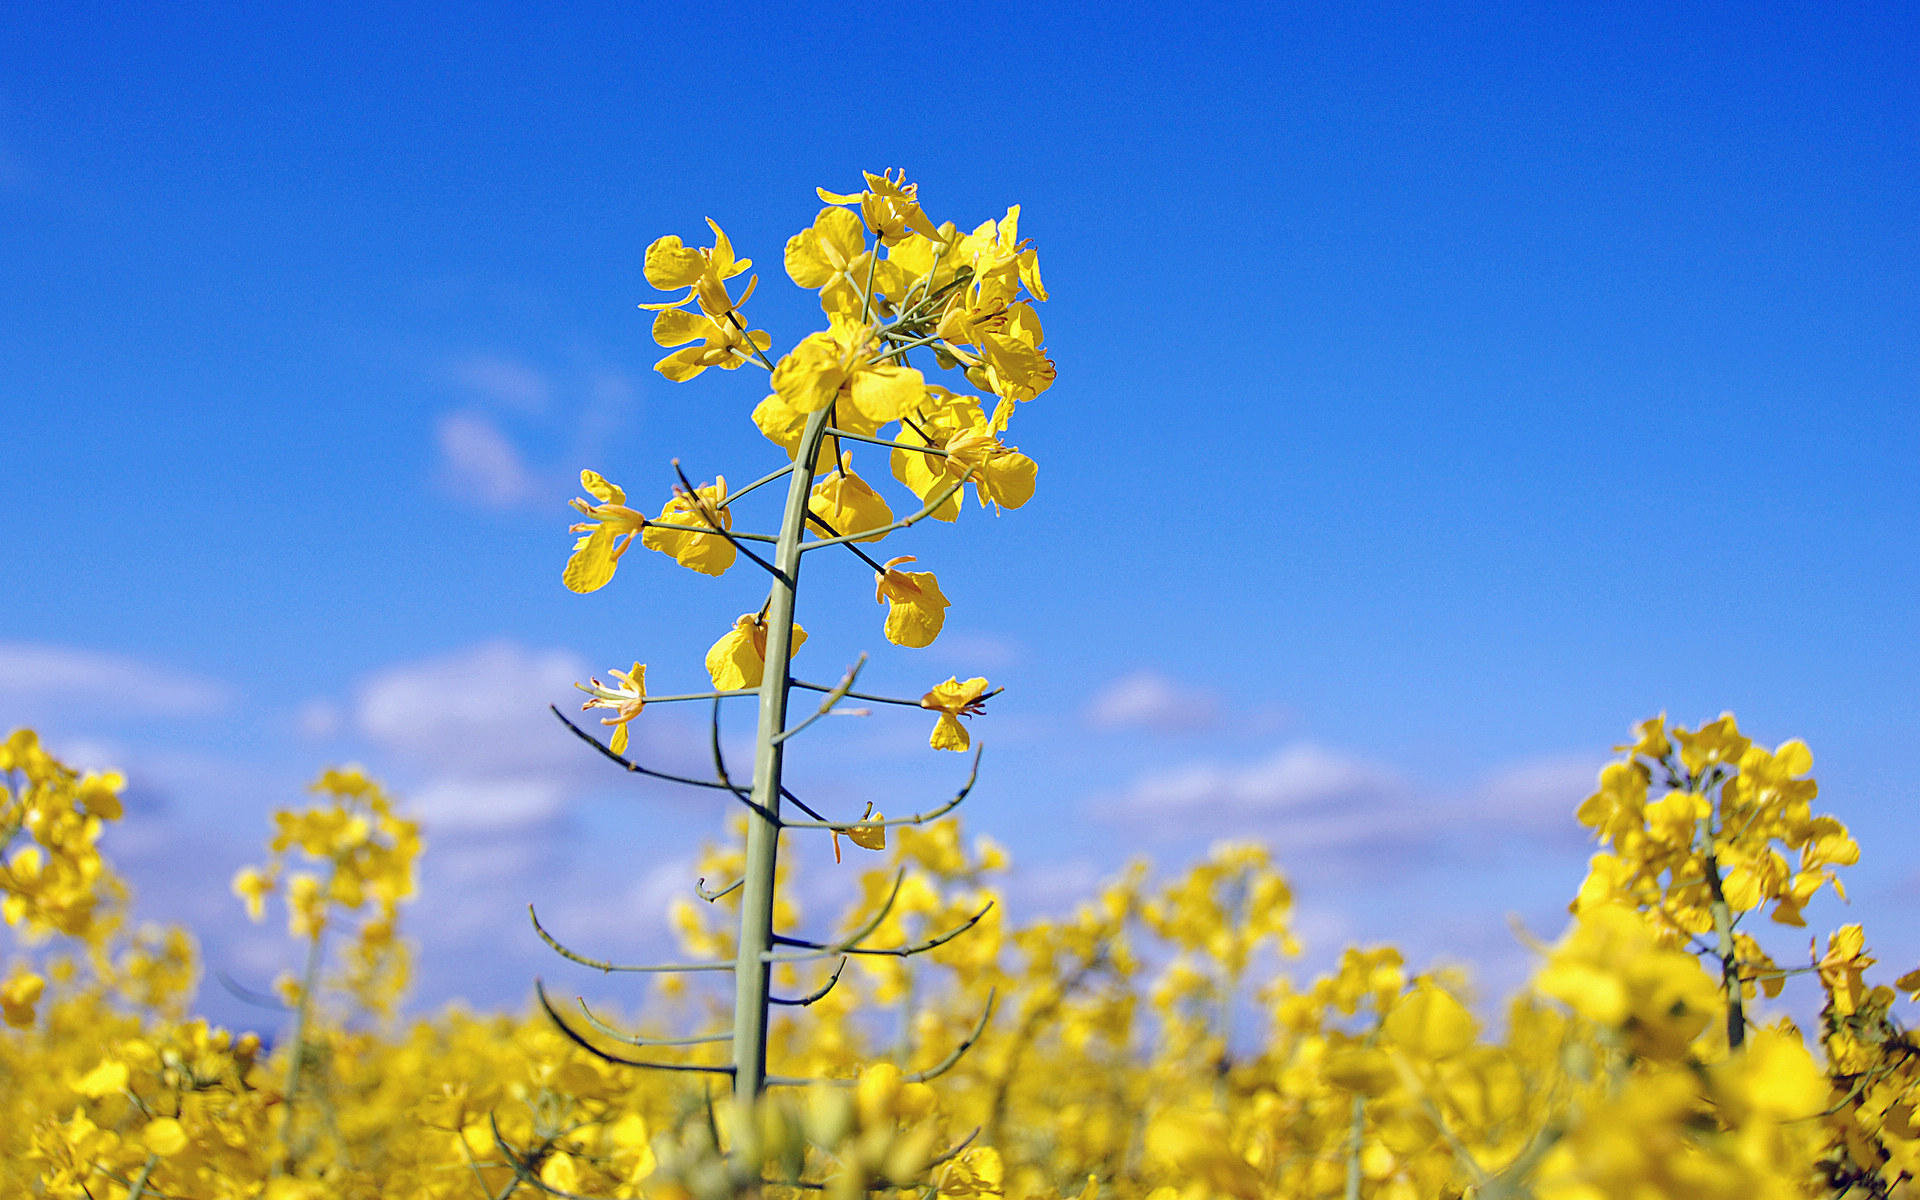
[882,393]
[948,734]
[104,1080]
[806,264]
[671,264]
[1431,1024]
[164,1136]
[592,563]
[600,489]
[677,327]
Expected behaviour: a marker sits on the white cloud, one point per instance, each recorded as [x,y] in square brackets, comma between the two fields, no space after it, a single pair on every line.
[1537,795]
[479,464]
[1149,700]
[977,652]
[319,719]
[67,676]
[505,381]
[479,712]
[486,806]
[1297,780]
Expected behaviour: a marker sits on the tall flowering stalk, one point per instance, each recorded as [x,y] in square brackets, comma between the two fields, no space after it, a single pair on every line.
[899,293]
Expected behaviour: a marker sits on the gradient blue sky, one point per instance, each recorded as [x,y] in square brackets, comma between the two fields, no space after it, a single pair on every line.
[1441,390]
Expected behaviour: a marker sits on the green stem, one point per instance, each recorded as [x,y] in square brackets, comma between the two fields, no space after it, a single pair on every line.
[752,974]
[1354,1139]
[297,1047]
[1729,955]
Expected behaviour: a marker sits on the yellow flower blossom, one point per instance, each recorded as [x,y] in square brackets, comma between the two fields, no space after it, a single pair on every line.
[890,207]
[917,609]
[605,536]
[871,837]
[849,505]
[626,700]
[953,700]
[1000,474]
[704,507]
[739,659]
[724,339]
[253,886]
[845,366]
[723,343]
[19,995]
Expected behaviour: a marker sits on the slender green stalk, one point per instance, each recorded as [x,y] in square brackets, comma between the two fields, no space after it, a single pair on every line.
[1355,1138]
[1724,948]
[297,1046]
[1729,956]
[752,974]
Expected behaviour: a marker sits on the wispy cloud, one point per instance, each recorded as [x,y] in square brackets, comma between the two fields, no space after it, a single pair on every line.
[1315,801]
[456,806]
[478,463]
[481,709]
[1536,795]
[1150,700]
[35,674]
[475,727]
[507,382]
[1296,780]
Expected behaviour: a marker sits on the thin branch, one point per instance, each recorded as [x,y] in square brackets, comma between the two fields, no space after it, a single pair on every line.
[727,695]
[609,968]
[821,687]
[693,497]
[834,697]
[726,780]
[733,314]
[761,482]
[926,511]
[863,535]
[875,441]
[573,1035]
[729,534]
[945,1156]
[638,1039]
[932,814]
[628,763]
[804,1001]
[865,931]
[934,1072]
[700,889]
[932,943]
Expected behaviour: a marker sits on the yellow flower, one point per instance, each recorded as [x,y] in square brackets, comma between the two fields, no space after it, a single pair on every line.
[707,553]
[626,701]
[1718,741]
[868,837]
[739,659]
[724,339]
[671,264]
[1001,475]
[845,501]
[253,886]
[817,255]
[724,342]
[918,609]
[890,207]
[18,996]
[605,537]
[843,365]
[953,700]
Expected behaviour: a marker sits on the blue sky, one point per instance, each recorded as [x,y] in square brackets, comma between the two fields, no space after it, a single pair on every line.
[1442,389]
